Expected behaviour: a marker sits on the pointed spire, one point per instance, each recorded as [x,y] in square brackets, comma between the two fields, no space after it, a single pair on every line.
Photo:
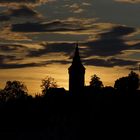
[76,49]
[76,57]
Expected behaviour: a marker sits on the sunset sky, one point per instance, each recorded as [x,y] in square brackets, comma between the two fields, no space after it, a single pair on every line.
[37,38]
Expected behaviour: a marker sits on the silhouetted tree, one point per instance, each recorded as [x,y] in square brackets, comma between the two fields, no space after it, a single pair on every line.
[13,89]
[128,83]
[95,82]
[121,84]
[3,96]
[47,83]
[133,81]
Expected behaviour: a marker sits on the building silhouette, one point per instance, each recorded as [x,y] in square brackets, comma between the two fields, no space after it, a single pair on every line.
[76,73]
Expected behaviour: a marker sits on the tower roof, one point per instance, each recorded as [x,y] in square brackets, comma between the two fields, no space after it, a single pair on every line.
[76,62]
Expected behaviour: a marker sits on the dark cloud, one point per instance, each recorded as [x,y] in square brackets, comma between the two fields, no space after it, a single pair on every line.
[4,63]
[136,46]
[68,48]
[63,62]
[28,27]
[16,65]
[16,56]
[20,11]
[4,18]
[8,58]
[53,26]
[93,62]
[110,62]
[7,62]
[9,48]
[134,68]
[110,43]
[47,48]
[129,1]
[118,32]
[11,55]
[21,2]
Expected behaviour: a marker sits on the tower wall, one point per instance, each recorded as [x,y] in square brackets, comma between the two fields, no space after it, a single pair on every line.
[76,80]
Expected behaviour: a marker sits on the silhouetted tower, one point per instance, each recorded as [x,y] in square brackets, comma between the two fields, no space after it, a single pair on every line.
[76,73]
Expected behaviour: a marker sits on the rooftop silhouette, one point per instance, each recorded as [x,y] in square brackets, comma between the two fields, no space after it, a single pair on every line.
[76,73]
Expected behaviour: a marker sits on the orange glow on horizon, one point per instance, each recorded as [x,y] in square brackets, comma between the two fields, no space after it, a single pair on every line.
[32,76]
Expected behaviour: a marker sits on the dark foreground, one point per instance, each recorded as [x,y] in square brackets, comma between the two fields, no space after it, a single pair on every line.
[96,116]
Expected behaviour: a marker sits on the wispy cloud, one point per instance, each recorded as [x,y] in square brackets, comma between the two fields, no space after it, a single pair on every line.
[22,12]
[68,25]
[129,1]
[76,8]
[46,27]
[110,62]
[109,50]
[110,43]
[21,2]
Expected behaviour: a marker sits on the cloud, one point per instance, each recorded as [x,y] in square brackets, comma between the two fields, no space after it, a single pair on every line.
[129,1]
[21,2]
[13,59]
[29,26]
[53,26]
[110,62]
[7,36]
[24,56]
[12,48]
[7,58]
[4,18]
[118,32]
[13,53]
[78,7]
[19,12]
[17,66]
[68,49]
[64,48]
[15,15]
[110,43]
[13,62]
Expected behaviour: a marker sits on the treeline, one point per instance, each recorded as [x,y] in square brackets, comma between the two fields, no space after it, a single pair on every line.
[17,89]
[96,112]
